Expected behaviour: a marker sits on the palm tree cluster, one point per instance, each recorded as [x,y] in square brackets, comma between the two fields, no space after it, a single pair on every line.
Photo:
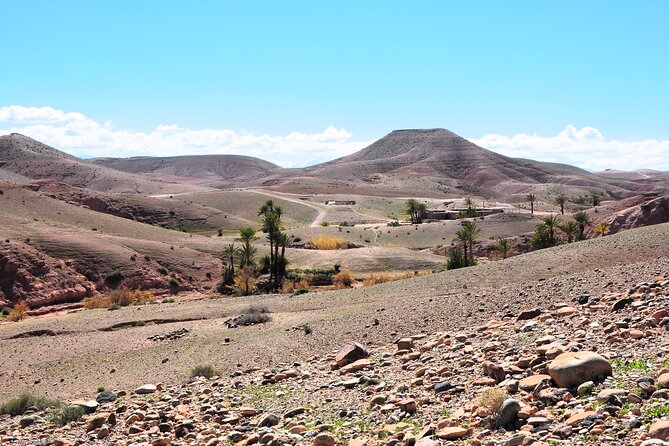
[416,210]
[470,209]
[243,257]
[466,235]
[272,225]
[546,235]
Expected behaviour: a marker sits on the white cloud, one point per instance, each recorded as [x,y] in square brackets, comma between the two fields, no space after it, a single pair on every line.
[79,135]
[587,148]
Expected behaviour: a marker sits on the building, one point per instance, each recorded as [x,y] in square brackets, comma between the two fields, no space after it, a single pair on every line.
[340,202]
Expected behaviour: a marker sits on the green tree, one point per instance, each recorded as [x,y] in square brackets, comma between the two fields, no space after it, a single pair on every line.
[531,198]
[570,229]
[272,225]
[470,209]
[466,235]
[503,247]
[230,254]
[583,220]
[456,259]
[560,200]
[416,210]
[552,223]
[248,251]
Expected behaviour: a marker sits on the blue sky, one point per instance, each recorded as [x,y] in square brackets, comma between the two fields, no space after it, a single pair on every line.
[272,68]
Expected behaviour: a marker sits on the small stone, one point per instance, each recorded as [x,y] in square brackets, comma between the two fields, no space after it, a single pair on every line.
[452,433]
[146,389]
[324,439]
[508,412]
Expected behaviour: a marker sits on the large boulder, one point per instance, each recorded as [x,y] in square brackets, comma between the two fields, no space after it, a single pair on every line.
[571,369]
[349,353]
[659,430]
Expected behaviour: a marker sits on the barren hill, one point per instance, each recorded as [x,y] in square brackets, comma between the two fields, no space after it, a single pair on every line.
[24,158]
[219,168]
[457,164]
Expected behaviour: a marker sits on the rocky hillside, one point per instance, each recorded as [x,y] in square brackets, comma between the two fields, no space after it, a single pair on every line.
[650,212]
[29,275]
[589,371]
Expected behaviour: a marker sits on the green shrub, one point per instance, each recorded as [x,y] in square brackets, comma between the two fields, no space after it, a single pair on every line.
[114,278]
[66,414]
[21,403]
[206,371]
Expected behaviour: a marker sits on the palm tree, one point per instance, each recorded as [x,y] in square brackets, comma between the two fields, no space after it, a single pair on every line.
[560,200]
[272,225]
[570,229]
[466,235]
[469,205]
[531,198]
[551,223]
[247,236]
[583,220]
[230,253]
[503,247]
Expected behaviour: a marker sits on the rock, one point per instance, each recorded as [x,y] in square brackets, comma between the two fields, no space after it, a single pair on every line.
[494,371]
[247,411]
[659,430]
[443,387]
[146,389]
[407,405]
[528,314]
[96,422]
[654,442]
[102,433]
[349,353]
[621,303]
[452,433]
[577,419]
[29,420]
[508,412]
[356,366]
[586,388]
[324,439]
[106,397]
[269,420]
[89,406]
[294,412]
[569,370]
[608,395]
[528,384]
[405,344]
[378,400]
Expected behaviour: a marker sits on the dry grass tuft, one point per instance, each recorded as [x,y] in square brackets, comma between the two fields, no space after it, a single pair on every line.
[343,279]
[121,298]
[20,311]
[491,399]
[291,287]
[325,242]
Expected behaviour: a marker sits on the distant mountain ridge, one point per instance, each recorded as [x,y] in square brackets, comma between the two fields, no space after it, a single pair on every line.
[421,162]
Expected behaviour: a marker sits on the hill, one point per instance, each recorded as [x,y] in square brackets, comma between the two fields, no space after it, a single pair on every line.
[439,161]
[23,159]
[220,170]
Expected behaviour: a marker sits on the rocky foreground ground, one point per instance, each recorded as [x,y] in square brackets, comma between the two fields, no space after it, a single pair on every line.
[593,370]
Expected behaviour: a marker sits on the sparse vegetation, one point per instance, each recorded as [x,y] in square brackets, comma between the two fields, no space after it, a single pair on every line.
[66,414]
[325,242]
[114,279]
[18,312]
[343,279]
[20,404]
[255,314]
[491,400]
[207,371]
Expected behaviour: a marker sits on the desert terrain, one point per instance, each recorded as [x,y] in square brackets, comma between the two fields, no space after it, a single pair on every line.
[471,355]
